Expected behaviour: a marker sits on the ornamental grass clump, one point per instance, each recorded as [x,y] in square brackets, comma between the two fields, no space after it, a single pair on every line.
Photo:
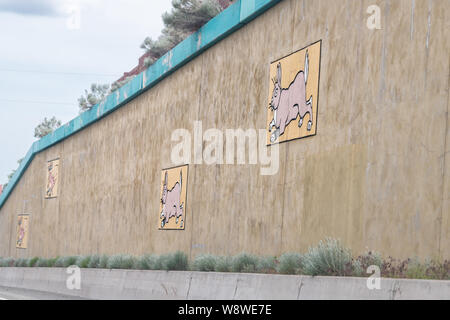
[244,262]
[328,258]
[147,262]
[121,261]
[223,264]
[21,263]
[429,269]
[266,264]
[83,261]
[290,263]
[204,262]
[103,263]
[65,262]
[173,261]
[6,262]
[438,270]
[33,261]
[94,261]
[361,263]
[45,263]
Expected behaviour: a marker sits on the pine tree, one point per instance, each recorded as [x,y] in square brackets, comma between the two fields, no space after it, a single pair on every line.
[46,126]
[190,15]
[186,17]
[97,93]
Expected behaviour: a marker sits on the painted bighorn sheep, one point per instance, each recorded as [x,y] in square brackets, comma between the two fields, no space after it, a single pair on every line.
[21,233]
[51,181]
[289,103]
[171,202]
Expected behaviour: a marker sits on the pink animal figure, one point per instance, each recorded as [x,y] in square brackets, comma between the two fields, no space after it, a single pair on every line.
[21,233]
[171,202]
[51,181]
[289,103]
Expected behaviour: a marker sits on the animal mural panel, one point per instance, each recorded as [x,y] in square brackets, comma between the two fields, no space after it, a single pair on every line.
[172,211]
[293,95]
[51,188]
[22,231]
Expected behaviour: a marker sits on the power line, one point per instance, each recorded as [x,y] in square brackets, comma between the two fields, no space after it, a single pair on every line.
[62,73]
[38,102]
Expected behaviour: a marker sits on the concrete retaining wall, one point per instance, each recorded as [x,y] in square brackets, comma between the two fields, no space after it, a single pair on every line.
[376,175]
[137,284]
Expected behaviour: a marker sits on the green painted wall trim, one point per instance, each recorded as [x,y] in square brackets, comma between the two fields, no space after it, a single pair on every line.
[231,19]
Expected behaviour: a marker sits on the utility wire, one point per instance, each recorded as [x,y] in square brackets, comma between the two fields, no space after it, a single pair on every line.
[62,73]
[38,102]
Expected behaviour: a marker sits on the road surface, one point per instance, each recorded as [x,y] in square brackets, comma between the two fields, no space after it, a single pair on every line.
[25,294]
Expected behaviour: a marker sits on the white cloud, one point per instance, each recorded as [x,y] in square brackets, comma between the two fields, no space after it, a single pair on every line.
[30,7]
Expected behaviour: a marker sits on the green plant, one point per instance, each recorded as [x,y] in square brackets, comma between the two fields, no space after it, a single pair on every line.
[83,261]
[147,262]
[223,264]
[328,258]
[121,261]
[189,15]
[173,261]
[392,268]
[64,262]
[290,263]
[46,127]
[17,262]
[186,17]
[42,263]
[32,262]
[417,270]
[244,263]
[93,261]
[361,263]
[21,263]
[103,263]
[266,264]
[51,262]
[439,270]
[204,262]
[59,262]
[97,93]
[6,262]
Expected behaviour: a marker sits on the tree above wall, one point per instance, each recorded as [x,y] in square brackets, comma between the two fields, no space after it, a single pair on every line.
[46,126]
[186,17]
[97,93]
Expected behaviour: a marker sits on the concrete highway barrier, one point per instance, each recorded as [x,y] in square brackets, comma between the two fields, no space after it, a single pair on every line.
[189,285]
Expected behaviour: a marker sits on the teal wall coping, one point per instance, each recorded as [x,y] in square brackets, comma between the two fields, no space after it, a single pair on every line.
[231,19]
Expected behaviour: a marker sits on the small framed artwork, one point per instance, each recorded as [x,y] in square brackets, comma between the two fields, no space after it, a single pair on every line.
[172,209]
[294,95]
[51,188]
[23,222]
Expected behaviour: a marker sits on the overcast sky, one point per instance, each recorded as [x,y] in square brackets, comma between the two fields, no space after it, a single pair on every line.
[49,54]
